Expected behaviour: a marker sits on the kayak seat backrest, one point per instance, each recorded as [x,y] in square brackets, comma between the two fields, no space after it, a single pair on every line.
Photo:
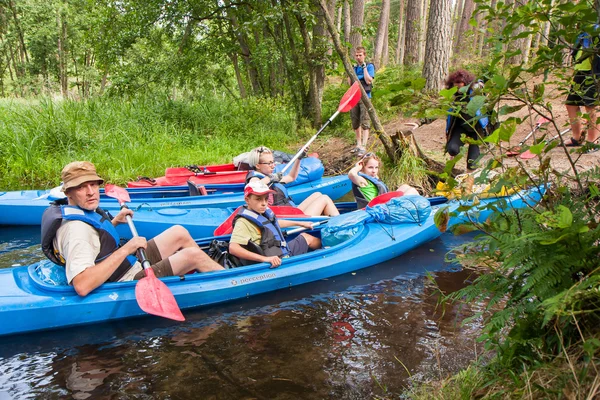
[196,190]
[51,274]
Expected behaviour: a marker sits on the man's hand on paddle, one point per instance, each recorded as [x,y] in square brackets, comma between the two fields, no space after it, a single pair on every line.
[121,217]
[135,243]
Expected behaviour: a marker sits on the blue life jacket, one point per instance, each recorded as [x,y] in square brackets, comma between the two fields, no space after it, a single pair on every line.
[99,220]
[483,122]
[358,70]
[272,242]
[361,201]
[586,41]
[281,196]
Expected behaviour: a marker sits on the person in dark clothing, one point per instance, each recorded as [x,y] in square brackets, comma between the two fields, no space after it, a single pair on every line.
[473,127]
[584,89]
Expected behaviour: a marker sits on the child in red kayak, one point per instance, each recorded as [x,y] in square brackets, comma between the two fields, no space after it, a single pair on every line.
[262,161]
[366,184]
[257,235]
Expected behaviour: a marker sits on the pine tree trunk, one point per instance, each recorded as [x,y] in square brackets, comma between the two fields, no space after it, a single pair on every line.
[462,46]
[386,51]
[401,33]
[382,28]
[437,50]
[357,17]
[347,21]
[423,29]
[413,24]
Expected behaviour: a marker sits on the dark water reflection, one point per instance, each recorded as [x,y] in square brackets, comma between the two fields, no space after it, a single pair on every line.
[356,336]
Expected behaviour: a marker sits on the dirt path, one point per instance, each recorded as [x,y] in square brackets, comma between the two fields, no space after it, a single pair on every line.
[431,138]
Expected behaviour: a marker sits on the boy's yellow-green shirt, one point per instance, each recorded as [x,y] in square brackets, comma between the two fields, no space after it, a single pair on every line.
[245,231]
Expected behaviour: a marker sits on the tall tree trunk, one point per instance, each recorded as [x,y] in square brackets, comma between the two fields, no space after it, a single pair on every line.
[299,92]
[237,32]
[382,28]
[386,50]
[461,46]
[23,48]
[437,50]
[357,17]
[423,29]
[413,25]
[313,89]
[401,35]
[347,21]
[62,56]
[456,17]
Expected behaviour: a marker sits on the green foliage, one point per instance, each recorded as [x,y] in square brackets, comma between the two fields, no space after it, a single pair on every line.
[136,136]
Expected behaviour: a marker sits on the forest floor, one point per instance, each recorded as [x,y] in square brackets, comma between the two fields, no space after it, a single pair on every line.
[335,151]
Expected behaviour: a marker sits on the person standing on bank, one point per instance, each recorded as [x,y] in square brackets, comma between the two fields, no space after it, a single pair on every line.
[82,237]
[361,122]
[584,89]
[473,127]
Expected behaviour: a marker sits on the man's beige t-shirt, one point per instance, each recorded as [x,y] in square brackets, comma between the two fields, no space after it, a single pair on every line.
[79,244]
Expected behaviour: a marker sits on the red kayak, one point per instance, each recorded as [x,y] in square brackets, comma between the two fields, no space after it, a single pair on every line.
[200,175]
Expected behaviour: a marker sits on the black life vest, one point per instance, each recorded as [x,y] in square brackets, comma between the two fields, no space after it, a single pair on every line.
[99,220]
[272,242]
[361,201]
[281,196]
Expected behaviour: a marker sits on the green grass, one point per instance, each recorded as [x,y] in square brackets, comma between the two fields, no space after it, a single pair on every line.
[130,137]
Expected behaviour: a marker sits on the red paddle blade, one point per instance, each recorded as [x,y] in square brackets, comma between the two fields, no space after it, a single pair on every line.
[527,155]
[384,198]
[117,192]
[542,120]
[350,98]
[154,297]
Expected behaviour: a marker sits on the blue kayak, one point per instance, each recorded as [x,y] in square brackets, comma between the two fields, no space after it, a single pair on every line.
[27,206]
[36,297]
[202,222]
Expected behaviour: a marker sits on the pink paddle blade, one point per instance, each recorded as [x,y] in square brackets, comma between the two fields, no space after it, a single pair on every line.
[527,155]
[350,98]
[154,297]
[384,198]
[117,192]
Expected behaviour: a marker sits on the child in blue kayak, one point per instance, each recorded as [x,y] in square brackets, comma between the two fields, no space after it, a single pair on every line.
[366,184]
[263,163]
[257,235]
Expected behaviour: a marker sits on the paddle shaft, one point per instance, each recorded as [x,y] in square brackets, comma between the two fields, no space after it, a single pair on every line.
[298,230]
[312,139]
[142,252]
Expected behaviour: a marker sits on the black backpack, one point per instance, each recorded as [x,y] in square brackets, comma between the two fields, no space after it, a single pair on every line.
[219,252]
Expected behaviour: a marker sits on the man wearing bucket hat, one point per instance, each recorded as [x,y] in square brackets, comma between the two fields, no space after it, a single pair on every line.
[257,235]
[81,236]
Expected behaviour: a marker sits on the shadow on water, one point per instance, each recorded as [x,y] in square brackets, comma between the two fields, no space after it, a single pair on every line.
[359,335]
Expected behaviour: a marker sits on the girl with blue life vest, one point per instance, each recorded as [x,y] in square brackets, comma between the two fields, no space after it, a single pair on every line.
[257,235]
[473,127]
[262,162]
[366,184]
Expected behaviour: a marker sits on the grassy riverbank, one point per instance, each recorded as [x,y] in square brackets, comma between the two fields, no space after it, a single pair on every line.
[130,137]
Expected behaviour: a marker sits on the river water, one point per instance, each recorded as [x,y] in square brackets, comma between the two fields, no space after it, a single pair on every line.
[357,336]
